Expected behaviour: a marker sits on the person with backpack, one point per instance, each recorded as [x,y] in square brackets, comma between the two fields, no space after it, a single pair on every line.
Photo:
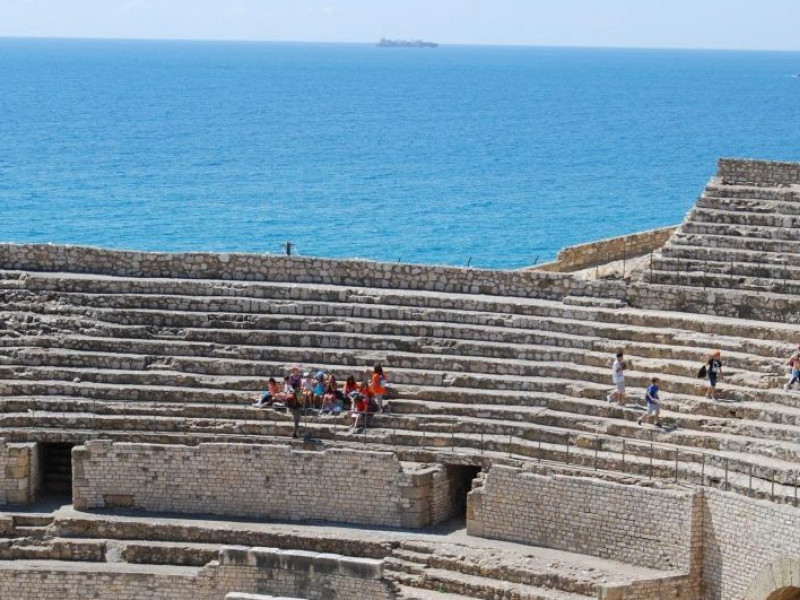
[713,369]
[653,404]
[794,366]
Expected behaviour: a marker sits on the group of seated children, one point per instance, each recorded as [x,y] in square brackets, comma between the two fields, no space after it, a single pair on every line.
[321,392]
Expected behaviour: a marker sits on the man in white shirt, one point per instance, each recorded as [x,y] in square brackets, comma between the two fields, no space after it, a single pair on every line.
[618,378]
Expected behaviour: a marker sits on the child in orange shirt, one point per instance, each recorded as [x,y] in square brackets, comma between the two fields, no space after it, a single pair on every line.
[378,385]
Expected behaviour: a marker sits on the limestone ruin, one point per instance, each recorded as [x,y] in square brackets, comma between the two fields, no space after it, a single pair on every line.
[134,466]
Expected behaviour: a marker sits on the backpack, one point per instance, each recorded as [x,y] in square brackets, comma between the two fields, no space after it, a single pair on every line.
[702,372]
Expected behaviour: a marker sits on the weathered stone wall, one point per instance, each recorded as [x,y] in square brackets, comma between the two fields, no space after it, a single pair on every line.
[758,172]
[583,256]
[668,587]
[720,302]
[265,571]
[19,464]
[253,267]
[264,481]
[34,580]
[642,526]
[742,536]
[300,574]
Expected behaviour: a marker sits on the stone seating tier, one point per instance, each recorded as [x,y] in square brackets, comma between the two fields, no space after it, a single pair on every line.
[170,361]
[739,236]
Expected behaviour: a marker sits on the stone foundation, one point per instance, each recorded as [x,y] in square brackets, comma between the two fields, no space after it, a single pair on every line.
[262,481]
[21,480]
[261,571]
[637,525]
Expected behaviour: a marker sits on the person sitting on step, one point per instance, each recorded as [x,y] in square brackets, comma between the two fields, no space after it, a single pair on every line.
[794,368]
[331,404]
[270,395]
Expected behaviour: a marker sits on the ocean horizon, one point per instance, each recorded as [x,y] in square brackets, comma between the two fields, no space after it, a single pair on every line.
[494,155]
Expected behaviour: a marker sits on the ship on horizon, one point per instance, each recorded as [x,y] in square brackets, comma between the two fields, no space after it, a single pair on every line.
[387,43]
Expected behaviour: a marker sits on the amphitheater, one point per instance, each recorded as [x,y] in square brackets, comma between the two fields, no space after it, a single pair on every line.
[136,468]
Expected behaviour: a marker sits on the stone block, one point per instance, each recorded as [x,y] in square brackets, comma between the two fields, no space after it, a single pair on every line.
[361,568]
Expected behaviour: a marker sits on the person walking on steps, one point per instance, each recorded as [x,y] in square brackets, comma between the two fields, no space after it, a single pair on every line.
[653,404]
[794,365]
[618,379]
[713,372]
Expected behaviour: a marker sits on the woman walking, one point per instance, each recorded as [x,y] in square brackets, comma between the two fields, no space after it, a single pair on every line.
[713,372]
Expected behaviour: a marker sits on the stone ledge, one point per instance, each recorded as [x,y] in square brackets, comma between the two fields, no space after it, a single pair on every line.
[301,561]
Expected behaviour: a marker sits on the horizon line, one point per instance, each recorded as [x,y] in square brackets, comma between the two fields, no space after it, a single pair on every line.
[374,43]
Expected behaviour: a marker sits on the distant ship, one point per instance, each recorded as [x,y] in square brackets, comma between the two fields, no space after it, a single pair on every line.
[387,43]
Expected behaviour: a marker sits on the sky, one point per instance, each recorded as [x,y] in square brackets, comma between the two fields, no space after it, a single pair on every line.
[722,24]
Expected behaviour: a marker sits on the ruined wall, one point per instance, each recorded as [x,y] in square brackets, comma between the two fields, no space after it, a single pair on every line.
[300,574]
[253,267]
[721,302]
[247,480]
[669,587]
[266,571]
[642,526]
[19,464]
[758,172]
[742,536]
[583,256]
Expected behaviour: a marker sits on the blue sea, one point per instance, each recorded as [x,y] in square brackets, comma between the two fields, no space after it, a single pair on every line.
[494,156]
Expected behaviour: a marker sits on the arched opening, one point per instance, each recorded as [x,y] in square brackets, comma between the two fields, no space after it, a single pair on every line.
[777,581]
[787,593]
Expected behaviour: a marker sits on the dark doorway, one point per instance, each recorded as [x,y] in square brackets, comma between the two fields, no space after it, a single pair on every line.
[55,469]
[461,478]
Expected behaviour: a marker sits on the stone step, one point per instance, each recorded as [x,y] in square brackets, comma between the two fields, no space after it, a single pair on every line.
[148,354]
[773,406]
[594,301]
[680,248]
[739,231]
[99,569]
[31,519]
[735,242]
[749,205]
[771,440]
[399,566]
[650,342]
[717,281]
[783,274]
[404,368]
[703,214]
[774,193]
[406,592]
[145,353]
[27,547]
[246,291]
[486,588]
[455,305]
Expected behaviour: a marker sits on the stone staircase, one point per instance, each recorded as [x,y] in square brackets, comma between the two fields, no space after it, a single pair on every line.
[739,237]
[419,569]
[419,566]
